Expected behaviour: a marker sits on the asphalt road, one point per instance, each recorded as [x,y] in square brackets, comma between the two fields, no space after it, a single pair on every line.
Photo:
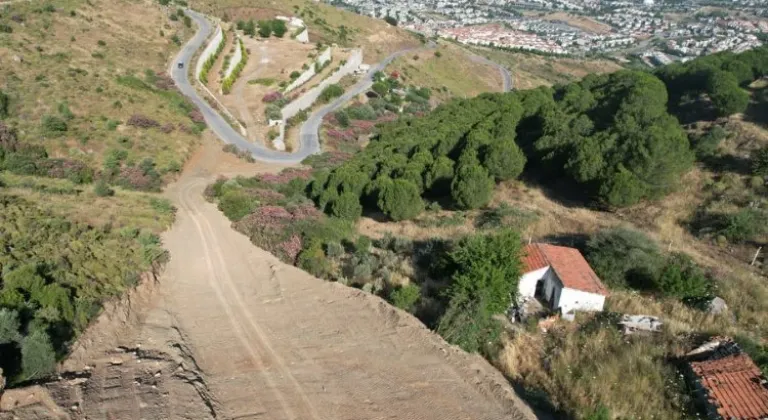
[310,141]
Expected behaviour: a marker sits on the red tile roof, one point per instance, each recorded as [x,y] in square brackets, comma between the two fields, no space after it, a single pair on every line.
[734,385]
[533,259]
[569,265]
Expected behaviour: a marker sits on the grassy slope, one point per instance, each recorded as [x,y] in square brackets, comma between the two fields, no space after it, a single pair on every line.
[65,61]
[61,61]
[530,70]
[453,74]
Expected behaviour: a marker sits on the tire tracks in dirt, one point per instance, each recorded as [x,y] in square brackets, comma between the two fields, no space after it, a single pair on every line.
[219,271]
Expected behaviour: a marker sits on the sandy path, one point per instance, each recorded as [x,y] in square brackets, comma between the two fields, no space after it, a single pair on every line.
[274,342]
[239,93]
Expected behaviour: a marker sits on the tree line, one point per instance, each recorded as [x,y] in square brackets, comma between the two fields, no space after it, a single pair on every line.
[615,138]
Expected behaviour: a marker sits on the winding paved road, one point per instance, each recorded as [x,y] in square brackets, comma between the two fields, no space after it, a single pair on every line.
[310,141]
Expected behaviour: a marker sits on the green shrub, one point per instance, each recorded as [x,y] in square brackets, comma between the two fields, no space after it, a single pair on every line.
[331,92]
[361,112]
[347,206]
[279,28]
[4,104]
[745,225]
[312,260]
[9,326]
[236,204]
[265,28]
[294,75]
[472,187]
[624,258]
[38,358]
[401,200]
[405,297]
[759,160]
[102,189]
[706,145]
[504,160]
[53,125]
[683,279]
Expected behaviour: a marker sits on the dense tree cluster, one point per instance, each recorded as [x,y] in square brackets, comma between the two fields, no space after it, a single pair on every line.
[610,136]
[718,77]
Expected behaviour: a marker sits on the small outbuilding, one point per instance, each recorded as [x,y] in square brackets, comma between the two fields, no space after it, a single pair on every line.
[560,277]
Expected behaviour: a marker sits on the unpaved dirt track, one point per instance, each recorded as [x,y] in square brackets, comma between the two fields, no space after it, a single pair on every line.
[274,342]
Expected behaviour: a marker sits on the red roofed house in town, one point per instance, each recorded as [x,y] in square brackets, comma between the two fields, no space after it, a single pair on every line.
[562,277]
[727,382]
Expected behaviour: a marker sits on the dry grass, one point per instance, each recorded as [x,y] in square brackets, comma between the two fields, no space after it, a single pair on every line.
[79,203]
[453,74]
[530,70]
[57,57]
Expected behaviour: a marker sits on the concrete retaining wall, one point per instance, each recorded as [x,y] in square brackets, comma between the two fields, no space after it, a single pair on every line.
[209,50]
[310,73]
[306,100]
[303,37]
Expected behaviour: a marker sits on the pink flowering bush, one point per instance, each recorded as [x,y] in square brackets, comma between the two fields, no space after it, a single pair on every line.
[271,97]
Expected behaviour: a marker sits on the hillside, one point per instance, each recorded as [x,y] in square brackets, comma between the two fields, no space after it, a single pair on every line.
[90,128]
[75,73]
[531,70]
[431,215]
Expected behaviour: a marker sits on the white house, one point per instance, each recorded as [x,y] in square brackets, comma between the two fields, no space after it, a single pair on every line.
[273,123]
[561,277]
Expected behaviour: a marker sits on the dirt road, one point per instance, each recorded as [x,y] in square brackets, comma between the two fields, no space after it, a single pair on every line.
[274,342]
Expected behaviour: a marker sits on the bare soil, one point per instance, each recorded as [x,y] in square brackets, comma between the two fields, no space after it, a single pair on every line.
[231,332]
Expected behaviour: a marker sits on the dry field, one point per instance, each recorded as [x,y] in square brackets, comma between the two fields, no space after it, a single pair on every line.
[530,70]
[452,74]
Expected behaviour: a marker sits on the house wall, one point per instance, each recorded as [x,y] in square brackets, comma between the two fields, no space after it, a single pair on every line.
[572,299]
[527,285]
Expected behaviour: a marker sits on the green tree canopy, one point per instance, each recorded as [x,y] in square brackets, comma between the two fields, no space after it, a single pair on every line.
[472,187]
[401,200]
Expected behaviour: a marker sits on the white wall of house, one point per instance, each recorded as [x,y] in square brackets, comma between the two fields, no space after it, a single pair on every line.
[236,58]
[572,299]
[527,285]
[209,50]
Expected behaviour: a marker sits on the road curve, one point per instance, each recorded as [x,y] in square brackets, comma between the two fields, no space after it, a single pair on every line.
[310,140]
[506,77]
